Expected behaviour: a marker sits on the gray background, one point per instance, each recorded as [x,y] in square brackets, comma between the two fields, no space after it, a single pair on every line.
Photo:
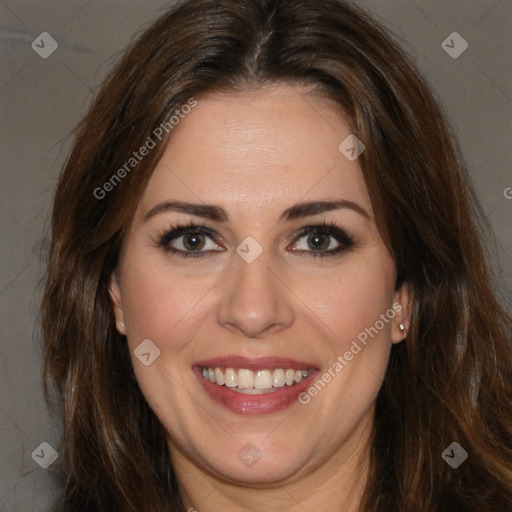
[42,100]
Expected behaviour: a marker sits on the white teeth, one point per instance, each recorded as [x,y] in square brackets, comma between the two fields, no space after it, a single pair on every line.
[230,378]
[245,379]
[249,382]
[219,376]
[263,379]
[278,378]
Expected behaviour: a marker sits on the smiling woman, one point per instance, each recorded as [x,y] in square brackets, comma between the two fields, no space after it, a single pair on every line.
[287,304]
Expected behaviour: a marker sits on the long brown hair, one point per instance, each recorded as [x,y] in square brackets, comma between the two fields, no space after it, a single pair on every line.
[450,381]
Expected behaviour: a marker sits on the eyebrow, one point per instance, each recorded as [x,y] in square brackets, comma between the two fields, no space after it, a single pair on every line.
[218,214]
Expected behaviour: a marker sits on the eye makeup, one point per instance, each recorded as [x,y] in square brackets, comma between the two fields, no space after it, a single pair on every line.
[198,234]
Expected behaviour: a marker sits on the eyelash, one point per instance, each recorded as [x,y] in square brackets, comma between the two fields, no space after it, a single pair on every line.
[175,231]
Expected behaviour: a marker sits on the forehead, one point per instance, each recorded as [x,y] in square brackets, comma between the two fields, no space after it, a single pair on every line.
[266,149]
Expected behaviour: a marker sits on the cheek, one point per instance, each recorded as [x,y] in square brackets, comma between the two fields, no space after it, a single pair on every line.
[349,305]
[352,298]
[156,300]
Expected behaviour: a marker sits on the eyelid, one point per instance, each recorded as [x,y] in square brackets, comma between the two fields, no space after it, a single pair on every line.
[178,230]
[164,238]
[331,229]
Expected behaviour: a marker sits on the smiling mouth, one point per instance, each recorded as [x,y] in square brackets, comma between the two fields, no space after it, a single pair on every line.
[254,385]
[249,382]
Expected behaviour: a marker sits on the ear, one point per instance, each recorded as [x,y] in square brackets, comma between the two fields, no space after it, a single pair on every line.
[402,305]
[117,302]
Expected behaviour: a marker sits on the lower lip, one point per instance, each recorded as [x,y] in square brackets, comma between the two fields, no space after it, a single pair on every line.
[265,403]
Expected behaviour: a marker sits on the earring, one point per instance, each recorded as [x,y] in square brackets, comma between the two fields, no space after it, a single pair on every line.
[403,329]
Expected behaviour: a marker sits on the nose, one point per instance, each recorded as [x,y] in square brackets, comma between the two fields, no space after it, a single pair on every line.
[255,300]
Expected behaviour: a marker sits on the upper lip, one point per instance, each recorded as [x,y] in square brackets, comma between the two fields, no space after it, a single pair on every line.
[254,363]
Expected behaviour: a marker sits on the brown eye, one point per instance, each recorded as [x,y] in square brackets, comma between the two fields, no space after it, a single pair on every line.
[319,241]
[190,240]
[193,241]
[323,240]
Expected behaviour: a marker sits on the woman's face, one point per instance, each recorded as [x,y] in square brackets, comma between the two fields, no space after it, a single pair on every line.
[283,278]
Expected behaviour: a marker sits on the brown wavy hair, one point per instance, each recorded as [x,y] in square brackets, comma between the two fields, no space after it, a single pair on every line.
[449,381]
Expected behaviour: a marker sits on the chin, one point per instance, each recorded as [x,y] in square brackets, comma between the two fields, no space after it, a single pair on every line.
[242,461]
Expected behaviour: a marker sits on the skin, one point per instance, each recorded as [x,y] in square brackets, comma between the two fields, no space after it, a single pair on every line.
[255,154]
